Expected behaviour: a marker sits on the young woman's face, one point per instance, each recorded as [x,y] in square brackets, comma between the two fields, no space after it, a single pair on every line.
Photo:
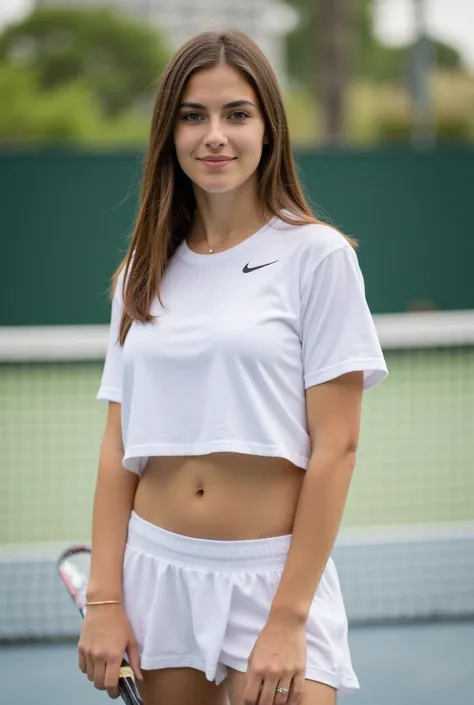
[219,119]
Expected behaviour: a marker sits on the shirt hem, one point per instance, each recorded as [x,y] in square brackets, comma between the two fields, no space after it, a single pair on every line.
[139,451]
[150,663]
[375,372]
[342,682]
[109,394]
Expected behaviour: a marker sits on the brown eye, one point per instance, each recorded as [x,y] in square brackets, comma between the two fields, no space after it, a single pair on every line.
[191,117]
[242,115]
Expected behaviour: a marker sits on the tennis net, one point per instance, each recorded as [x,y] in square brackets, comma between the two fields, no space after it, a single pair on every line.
[406,547]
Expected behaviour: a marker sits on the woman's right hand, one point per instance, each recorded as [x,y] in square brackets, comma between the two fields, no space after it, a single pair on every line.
[105,637]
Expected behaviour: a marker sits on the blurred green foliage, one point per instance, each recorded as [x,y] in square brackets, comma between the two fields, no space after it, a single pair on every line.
[372,60]
[378,107]
[29,113]
[68,74]
[67,114]
[398,129]
[119,58]
[88,77]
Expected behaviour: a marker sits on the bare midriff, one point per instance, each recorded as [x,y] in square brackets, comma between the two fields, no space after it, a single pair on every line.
[221,496]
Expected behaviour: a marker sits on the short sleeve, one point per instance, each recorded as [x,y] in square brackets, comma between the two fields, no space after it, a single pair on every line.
[111,383]
[337,330]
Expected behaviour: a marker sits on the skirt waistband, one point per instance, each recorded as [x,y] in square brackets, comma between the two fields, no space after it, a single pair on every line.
[254,554]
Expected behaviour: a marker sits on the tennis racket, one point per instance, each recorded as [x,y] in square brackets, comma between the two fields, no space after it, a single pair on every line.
[73,567]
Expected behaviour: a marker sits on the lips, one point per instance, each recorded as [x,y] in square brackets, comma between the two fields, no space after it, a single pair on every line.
[216,162]
[216,158]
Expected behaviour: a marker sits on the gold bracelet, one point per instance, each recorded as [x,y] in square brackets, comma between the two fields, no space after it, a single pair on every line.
[103,602]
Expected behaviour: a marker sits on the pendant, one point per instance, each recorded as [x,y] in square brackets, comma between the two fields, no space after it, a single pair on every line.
[211,251]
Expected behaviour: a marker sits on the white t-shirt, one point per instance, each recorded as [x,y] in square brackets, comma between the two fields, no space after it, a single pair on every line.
[242,334]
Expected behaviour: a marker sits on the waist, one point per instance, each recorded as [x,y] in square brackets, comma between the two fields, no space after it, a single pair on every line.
[205,553]
[221,496]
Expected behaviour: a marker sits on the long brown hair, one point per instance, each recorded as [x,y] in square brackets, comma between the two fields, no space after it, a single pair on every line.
[167,202]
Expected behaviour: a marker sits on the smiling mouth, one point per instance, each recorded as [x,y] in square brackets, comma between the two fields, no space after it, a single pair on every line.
[215,163]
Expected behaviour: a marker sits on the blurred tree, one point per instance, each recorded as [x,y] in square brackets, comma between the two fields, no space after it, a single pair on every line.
[372,60]
[67,114]
[300,45]
[117,58]
[379,63]
[446,57]
[450,129]
[335,41]
[27,114]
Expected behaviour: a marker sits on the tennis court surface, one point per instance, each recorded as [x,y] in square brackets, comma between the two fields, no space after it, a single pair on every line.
[409,665]
[405,553]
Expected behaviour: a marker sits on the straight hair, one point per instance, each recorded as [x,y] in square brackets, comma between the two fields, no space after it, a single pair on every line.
[167,203]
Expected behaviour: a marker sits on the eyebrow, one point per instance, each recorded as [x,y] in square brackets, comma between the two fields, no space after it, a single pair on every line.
[233,104]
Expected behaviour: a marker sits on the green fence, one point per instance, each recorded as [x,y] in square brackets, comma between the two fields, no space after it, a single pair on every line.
[65,218]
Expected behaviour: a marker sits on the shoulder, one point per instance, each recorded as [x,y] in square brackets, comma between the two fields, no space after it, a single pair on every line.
[319,257]
[310,244]
[122,276]
[118,284]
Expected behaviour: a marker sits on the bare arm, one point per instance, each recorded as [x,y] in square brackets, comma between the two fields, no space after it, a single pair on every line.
[334,411]
[106,631]
[113,501]
[279,655]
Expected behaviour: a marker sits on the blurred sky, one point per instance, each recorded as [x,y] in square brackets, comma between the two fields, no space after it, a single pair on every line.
[451,20]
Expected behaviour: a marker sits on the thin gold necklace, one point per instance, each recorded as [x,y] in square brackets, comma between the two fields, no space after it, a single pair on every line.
[212,250]
[228,245]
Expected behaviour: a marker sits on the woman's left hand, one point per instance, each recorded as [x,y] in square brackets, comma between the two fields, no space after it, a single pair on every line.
[278,660]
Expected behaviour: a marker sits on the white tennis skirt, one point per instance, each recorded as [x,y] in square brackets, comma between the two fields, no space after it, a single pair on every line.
[201,604]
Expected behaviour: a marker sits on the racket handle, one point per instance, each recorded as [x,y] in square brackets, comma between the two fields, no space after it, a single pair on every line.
[127,685]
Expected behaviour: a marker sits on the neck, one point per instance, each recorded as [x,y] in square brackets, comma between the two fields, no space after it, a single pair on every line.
[225,218]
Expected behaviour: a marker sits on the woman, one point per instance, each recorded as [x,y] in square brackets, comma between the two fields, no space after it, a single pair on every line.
[239,347]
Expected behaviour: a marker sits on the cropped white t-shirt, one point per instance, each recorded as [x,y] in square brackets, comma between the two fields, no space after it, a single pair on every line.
[240,336]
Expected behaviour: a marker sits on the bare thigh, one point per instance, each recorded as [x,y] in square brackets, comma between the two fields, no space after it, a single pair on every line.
[180,686]
[314,693]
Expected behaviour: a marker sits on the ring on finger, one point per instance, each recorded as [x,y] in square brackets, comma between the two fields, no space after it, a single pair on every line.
[283,691]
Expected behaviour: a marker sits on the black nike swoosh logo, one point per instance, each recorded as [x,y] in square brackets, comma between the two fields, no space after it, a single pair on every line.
[248,269]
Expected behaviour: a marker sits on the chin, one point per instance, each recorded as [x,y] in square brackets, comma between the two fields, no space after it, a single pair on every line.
[216,187]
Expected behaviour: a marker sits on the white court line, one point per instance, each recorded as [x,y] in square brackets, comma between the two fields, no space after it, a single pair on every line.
[395,330]
[406,533]
[11,552]
[350,536]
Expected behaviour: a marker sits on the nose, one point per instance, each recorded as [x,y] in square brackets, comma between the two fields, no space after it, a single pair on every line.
[216,136]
